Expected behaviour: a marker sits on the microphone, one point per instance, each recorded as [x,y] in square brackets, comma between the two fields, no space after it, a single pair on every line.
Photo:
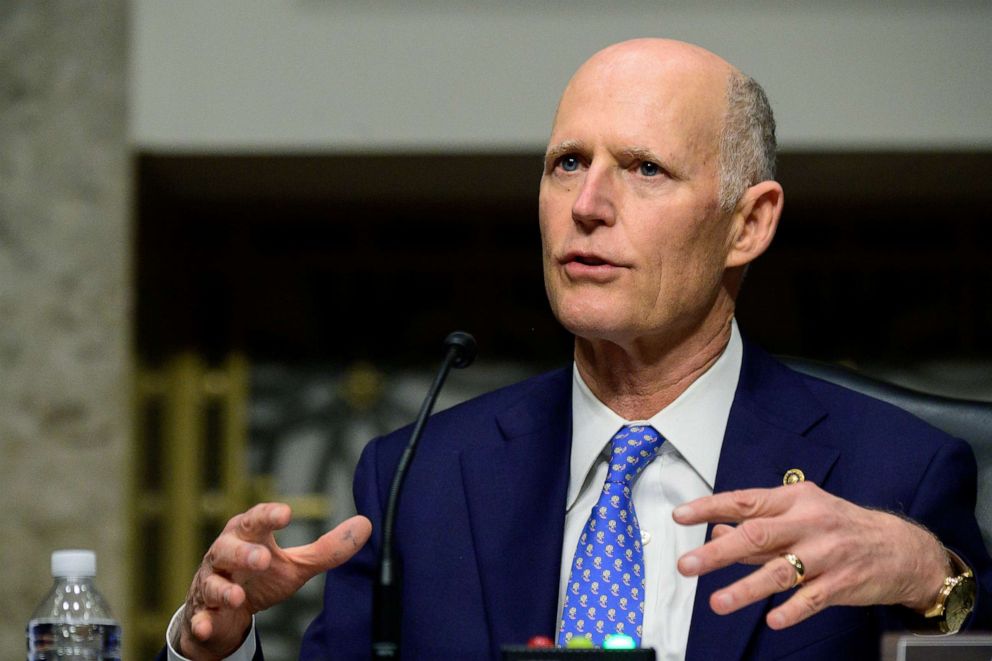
[460,351]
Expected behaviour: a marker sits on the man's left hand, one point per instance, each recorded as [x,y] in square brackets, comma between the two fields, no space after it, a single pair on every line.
[852,556]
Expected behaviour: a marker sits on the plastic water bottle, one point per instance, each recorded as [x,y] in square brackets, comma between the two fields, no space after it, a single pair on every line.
[73,622]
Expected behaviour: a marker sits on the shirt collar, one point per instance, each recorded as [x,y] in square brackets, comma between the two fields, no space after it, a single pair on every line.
[693,425]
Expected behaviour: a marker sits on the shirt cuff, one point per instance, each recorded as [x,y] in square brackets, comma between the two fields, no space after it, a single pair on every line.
[243,653]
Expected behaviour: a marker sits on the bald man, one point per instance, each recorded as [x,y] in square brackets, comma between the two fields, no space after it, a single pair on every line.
[676,484]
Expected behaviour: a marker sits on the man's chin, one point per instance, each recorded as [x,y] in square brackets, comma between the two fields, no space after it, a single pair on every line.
[596,329]
[597,315]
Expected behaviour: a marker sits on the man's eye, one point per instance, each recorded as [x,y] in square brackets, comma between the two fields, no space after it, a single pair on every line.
[649,169]
[569,163]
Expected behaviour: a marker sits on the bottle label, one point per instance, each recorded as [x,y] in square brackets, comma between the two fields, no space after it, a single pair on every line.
[95,640]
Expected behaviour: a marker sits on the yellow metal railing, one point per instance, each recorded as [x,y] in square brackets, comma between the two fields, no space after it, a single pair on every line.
[188,477]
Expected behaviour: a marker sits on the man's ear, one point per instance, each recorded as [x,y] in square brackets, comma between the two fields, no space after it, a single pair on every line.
[755,221]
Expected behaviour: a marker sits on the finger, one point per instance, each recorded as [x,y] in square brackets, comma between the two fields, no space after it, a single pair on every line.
[260,521]
[229,554]
[809,600]
[334,547]
[776,575]
[201,625]
[755,541]
[735,506]
[721,529]
[218,592]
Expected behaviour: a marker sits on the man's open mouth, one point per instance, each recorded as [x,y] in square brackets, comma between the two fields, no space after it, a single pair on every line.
[591,261]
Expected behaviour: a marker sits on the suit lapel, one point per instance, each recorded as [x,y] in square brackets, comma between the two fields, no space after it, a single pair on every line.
[772,411]
[516,492]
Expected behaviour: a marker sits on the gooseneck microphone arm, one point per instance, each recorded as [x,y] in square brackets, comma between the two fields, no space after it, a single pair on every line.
[386,609]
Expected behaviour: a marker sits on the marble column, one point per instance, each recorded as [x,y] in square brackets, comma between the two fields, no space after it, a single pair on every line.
[64,296]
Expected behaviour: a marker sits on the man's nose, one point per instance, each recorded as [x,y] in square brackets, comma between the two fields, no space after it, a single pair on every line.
[595,204]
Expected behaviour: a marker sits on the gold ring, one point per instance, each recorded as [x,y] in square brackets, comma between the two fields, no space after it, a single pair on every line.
[797,564]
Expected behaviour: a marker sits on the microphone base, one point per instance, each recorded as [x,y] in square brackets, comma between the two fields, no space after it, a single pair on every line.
[387,612]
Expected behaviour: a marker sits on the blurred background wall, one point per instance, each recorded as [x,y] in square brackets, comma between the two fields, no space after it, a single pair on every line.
[433,75]
[296,166]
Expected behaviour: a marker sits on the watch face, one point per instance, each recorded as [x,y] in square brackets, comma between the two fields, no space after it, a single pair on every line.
[959,604]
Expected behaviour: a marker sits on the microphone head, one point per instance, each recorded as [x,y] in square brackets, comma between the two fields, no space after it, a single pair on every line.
[464,348]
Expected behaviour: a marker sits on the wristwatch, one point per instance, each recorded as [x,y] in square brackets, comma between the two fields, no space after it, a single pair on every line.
[956,598]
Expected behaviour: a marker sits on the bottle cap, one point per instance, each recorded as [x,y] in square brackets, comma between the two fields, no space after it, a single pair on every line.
[73,562]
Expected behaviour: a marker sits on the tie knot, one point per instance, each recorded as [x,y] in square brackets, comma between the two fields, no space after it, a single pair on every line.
[633,448]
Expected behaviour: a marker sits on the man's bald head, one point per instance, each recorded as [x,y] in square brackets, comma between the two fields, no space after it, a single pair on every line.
[726,105]
[659,53]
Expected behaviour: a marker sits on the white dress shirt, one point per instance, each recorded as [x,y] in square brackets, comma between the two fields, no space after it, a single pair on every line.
[693,426]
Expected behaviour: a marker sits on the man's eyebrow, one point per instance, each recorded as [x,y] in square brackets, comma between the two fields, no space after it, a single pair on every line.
[555,152]
[638,153]
[641,154]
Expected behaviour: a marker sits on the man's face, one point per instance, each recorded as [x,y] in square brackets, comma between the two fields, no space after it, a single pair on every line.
[634,240]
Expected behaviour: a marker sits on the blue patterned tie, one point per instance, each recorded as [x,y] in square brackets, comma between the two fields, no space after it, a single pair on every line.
[605,591]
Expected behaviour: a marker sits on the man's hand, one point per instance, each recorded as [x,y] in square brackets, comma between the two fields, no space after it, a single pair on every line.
[853,556]
[245,572]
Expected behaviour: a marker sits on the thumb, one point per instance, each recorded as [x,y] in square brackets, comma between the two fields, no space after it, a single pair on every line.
[335,547]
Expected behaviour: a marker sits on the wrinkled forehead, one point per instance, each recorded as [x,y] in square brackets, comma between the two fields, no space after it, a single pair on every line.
[649,96]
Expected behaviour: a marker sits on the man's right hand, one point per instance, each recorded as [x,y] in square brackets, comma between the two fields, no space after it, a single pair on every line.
[245,572]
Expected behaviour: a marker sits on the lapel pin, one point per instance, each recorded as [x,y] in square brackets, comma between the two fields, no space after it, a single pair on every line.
[793,476]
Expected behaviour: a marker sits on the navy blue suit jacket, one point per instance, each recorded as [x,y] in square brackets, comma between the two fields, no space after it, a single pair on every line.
[480,523]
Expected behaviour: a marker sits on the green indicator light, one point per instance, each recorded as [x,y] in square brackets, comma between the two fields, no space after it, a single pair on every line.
[619,641]
[580,643]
